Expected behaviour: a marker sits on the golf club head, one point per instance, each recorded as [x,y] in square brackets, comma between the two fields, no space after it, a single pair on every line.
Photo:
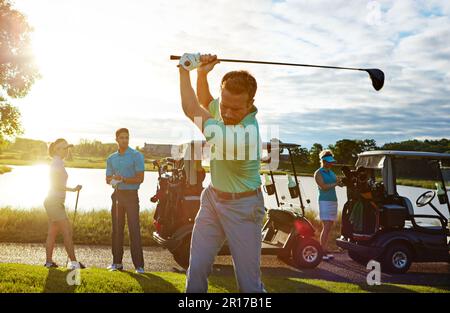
[377,78]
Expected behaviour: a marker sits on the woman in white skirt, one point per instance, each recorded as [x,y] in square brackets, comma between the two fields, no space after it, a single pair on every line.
[54,205]
[326,181]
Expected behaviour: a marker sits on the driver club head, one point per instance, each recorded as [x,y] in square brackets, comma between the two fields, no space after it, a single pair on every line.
[377,77]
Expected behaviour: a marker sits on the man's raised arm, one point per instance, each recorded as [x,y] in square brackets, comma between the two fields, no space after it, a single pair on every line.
[208,62]
[189,102]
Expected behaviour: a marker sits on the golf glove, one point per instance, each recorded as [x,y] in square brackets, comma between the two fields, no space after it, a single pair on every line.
[115,182]
[190,61]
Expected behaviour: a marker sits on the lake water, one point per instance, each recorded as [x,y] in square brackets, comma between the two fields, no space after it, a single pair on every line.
[25,187]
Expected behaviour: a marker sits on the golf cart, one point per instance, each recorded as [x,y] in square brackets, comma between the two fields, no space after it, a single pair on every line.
[286,232]
[380,223]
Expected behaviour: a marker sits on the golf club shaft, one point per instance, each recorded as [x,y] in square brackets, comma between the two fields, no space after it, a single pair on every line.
[116,209]
[74,218]
[177,57]
[76,205]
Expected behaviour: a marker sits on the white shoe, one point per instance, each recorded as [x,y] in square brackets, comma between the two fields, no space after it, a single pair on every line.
[115,267]
[326,257]
[50,265]
[140,270]
[75,265]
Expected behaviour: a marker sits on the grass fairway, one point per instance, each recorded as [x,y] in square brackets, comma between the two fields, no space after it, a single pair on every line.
[28,278]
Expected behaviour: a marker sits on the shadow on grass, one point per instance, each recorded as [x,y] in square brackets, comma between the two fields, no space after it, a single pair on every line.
[56,282]
[438,280]
[152,283]
[383,288]
[223,277]
[280,272]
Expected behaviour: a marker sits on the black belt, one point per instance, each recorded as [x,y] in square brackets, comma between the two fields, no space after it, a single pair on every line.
[235,195]
[126,190]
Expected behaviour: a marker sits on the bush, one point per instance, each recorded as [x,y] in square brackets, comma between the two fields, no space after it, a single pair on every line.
[92,227]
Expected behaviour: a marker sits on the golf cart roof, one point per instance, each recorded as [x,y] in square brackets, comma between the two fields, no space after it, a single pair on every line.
[376,159]
[407,154]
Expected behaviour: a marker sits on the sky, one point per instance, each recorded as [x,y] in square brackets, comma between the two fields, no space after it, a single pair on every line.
[105,65]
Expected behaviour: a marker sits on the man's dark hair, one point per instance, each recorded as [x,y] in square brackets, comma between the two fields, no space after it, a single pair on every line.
[238,82]
[122,130]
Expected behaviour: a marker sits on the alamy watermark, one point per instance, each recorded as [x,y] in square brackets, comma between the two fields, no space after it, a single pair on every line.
[73,278]
[374,276]
[233,142]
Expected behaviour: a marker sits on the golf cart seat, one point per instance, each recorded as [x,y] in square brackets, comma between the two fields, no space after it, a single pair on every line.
[424,227]
[282,216]
[408,205]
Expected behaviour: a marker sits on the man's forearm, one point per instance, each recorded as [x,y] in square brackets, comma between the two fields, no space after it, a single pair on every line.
[133,180]
[326,187]
[188,98]
[203,94]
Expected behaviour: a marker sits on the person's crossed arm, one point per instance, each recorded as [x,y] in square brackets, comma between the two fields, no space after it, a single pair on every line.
[320,182]
[139,167]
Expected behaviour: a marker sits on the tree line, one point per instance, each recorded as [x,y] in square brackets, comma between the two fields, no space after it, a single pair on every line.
[346,150]
[38,148]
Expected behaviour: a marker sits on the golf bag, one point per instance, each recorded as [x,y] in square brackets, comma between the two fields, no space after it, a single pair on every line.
[178,194]
[361,213]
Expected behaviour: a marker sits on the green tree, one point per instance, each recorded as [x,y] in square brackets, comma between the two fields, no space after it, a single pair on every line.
[300,155]
[346,150]
[87,148]
[9,122]
[441,145]
[314,155]
[18,71]
[368,145]
[29,149]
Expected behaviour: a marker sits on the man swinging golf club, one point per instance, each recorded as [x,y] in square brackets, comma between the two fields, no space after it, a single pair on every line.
[125,172]
[232,207]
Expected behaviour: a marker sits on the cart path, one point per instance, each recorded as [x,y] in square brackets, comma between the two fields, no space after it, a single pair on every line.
[157,259]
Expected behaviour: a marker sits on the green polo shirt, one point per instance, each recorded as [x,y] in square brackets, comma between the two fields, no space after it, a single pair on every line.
[235,151]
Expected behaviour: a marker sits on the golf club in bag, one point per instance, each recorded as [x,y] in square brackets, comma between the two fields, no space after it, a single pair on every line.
[376,75]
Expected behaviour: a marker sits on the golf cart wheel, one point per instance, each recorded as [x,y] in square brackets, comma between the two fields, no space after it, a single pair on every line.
[182,253]
[307,253]
[358,258]
[396,259]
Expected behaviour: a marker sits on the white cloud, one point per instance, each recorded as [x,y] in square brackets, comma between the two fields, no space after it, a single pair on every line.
[106,63]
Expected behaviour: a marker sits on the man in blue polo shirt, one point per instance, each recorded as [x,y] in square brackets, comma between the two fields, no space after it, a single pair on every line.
[125,172]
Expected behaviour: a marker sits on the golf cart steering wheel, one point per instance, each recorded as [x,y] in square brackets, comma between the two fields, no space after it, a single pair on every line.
[425,198]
